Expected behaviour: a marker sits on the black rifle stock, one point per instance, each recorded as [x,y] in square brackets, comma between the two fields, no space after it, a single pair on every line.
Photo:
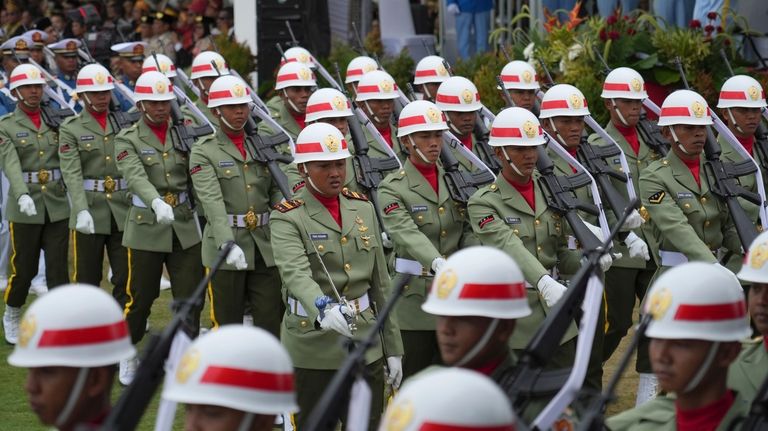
[757,418]
[593,157]
[136,397]
[262,149]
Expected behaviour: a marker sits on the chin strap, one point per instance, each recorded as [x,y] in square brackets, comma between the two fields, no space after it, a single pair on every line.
[88,101]
[677,141]
[201,86]
[371,114]
[246,422]
[733,121]
[557,133]
[480,345]
[290,102]
[454,129]
[696,380]
[74,395]
[426,91]
[224,120]
[511,163]
[418,152]
[309,179]
[144,111]
[618,112]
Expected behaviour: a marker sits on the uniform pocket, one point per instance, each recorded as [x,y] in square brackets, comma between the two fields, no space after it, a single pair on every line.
[142,216]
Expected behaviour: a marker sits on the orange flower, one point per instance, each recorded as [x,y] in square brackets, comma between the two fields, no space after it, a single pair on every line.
[573,16]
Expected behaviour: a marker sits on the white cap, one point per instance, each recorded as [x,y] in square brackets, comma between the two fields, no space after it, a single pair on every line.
[516,127]
[430,69]
[320,142]
[624,83]
[376,85]
[685,107]
[519,75]
[327,103]
[741,91]
[25,74]
[563,100]
[458,94]
[358,67]
[295,74]
[420,116]
[94,77]
[166,65]
[153,86]
[299,55]
[754,269]
[202,65]
[228,90]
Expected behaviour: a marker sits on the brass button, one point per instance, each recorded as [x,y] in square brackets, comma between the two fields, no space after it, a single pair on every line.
[345,190]
[703,200]
[149,159]
[227,171]
[320,248]
[493,186]
[441,210]
[515,231]
[43,188]
[167,174]
[406,287]
[443,233]
[420,218]
[165,155]
[39,136]
[303,323]
[106,139]
[555,217]
[639,163]
[88,145]
[138,217]
[402,172]
[687,205]
[621,169]
[108,158]
[665,162]
[245,165]
[109,195]
[248,186]
[538,248]
[366,243]
[41,152]
[538,222]
[23,141]
[706,223]
[343,240]
[347,267]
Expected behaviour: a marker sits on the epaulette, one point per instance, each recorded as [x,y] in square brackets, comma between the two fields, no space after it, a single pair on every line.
[6,116]
[128,130]
[286,206]
[70,119]
[490,188]
[354,195]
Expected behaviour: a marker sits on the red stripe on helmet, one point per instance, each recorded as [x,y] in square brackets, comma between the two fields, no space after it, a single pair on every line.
[711,312]
[444,98]
[510,78]
[411,121]
[319,107]
[19,77]
[434,426]
[616,86]
[354,72]
[428,72]
[733,95]
[554,104]
[248,379]
[506,132]
[213,95]
[201,68]
[679,111]
[83,336]
[84,81]
[493,291]
[287,77]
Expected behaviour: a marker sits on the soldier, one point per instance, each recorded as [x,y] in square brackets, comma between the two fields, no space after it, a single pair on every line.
[449,399]
[430,72]
[699,317]
[376,94]
[159,63]
[39,38]
[629,277]
[131,58]
[298,54]
[70,342]
[749,371]
[512,215]
[425,225]
[202,76]
[356,68]
[295,83]
[97,192]
[521,83]
[14,51]
[66,62]
[160,227]
[242,379]
[164,39]
[37,205]
[237,194]
[689,223]
[459,99]
[326,244]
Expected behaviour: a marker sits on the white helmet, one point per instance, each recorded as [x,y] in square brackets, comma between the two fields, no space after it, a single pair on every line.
[153,86]
[685,107]
[94,77]
[327,103]
[519,75]
[420,116]
[741,91]
[295,74]
[298,54]
[358,67]
[166,65]
[563,100]
[25,74]
[228,90]
[754,269]
[202,65]
[697,301]
[320,142]
[74,325]
[430,69]
[478,281]
[376,85]
[458,94]
[517,127]
[238,367]
[449,399]
[624,83]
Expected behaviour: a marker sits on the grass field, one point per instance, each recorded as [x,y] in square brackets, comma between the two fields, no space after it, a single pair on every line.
[16,414]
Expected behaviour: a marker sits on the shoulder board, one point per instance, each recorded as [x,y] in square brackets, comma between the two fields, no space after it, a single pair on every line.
[659,164]
[354,195]
[70,119]
[128,130]
[8,115]
[490,188]
[286,206]
[595,139]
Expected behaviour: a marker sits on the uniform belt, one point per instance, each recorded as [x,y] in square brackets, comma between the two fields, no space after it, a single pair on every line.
[107,184]
[674,258]
[43,176]
[359,305]
[172,199]
[249,220]
[412,267]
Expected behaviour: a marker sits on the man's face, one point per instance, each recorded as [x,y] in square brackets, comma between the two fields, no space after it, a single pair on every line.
[78,30]
[37,55]
[67,64]
[691,137]
[201,417]
[457,335]
[524,158]
[235,115]
[328,176]
[145,29]
[430,90]
[31,94]
[382,109]
[758,307]
[48,390]
[159,27]
[429,143]
[629,108]
[58,23]
[525,99]
[131,68]
[298,95]
[99,100]
[340,123]
[746,118]
[676,362]
[155,111]
[570,129]
[463,121]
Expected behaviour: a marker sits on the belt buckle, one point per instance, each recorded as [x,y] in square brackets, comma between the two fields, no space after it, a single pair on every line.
[171,199]
[43,175]
[109,184]
[251,220]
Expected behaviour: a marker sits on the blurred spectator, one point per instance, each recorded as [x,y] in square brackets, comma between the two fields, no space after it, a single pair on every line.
[145,28]
[674,13]
[607,8]
[12,25]
[165,40]
[471,15]
[225,24]
[202,35]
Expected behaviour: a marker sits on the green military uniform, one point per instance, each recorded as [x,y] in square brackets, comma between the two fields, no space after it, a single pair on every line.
[583,194]
[750,369]
[303,232]
[659,415]
[283,117]
[237,193]
[156,170]
[536,240]
[30,160]
[628,278]
[423,225]
[377,151]
[689,223]
[203,107]
[87,154]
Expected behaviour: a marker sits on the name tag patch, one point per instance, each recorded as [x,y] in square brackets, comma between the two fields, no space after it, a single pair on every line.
[616,161]
[226,164]
[512,220]
[419,208]
[318,236]
[685,195]
[22,134]
[87,138]
[147,152]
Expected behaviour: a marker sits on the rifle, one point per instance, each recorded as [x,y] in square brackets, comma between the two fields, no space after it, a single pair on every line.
[136,397]
[757,418]
[722,178]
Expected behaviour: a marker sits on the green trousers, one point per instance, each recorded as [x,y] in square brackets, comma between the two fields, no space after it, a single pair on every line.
[145,268]
[89,260]
[26,242]
[421,351]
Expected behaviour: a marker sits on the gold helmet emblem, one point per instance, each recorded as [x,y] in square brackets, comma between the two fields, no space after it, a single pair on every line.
[527,76]
[100,78]
[219,64]
[304,74]
[37,37]
[659,303]
[34,73]
[338,103]
[441,71]
[433,115]
[303,57]
[466,96]
[21,44]
[446,283]
[636,85]
[698,109]
[164,67]
[160,87]
[758,256]
[753,92]
[187,365]
[530,129]
[386,86]
[27,330]
[332,143]
[238,90]
[399,416]
[576,101]
[369,68]
[71,46]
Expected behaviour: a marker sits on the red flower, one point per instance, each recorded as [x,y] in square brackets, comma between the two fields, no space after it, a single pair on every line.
[694,23]
[712,15]
[603,36]
[613,35]
[611,20]
[720,29]
[631,31]
[709,28]
[727,42]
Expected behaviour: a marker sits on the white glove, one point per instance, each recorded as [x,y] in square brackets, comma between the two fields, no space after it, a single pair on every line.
[606,260]
[550,290]
[163,211]
[334,320]
[633,221]
[637,247]
[84,223]
[437,263]
[395,368]
[453,8]
[27,206]
[386,241]
[236,258]
[596,231]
